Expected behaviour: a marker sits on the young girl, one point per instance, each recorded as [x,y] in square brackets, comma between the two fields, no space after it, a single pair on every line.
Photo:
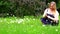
[51,15]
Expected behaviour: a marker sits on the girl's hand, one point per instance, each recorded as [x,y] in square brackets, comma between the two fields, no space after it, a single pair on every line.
[55,19]
[50,18]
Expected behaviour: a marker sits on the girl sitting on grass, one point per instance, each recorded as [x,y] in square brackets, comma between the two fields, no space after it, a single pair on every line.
[51,15]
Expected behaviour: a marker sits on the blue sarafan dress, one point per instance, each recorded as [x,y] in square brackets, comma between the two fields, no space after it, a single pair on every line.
[47,20]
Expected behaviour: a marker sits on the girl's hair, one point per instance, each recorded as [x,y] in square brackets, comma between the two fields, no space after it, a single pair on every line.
[53,4]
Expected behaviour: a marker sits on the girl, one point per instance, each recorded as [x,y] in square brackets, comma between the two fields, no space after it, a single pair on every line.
[51,15]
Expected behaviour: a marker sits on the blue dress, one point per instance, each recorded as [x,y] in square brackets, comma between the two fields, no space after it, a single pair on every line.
[46,20]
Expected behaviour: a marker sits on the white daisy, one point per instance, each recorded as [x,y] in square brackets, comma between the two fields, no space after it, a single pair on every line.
[33,19]
[43,25]
[20,20]
[56,29]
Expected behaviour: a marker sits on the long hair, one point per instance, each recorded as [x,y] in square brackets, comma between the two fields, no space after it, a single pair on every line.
[54,5]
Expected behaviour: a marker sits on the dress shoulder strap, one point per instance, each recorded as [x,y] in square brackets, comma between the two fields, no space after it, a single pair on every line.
[47,9]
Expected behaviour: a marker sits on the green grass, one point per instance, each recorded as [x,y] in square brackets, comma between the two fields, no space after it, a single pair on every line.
[26,25]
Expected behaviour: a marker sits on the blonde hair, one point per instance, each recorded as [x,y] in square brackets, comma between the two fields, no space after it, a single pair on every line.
[54,5]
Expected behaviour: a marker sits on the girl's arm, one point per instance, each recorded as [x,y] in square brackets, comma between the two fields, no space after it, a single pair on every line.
[50,17]
[45,13]
[56,17]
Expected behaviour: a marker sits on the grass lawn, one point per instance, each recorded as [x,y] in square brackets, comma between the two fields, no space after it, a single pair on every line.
[26,25]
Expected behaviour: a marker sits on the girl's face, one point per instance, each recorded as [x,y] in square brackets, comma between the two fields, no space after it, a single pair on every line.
[52,5]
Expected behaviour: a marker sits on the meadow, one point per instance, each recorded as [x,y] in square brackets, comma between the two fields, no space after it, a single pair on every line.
[26,25]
